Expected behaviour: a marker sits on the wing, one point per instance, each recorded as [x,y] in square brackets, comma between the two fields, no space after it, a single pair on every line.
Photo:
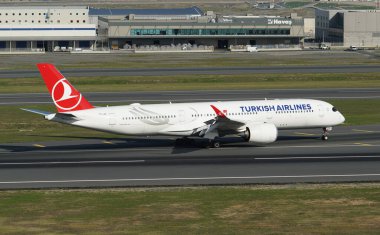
[221,124]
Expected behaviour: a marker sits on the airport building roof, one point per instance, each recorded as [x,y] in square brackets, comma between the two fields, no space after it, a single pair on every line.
[172,11]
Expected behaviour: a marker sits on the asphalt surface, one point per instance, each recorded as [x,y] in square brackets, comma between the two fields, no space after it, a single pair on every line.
[94,72]
[352,154]
[194,96]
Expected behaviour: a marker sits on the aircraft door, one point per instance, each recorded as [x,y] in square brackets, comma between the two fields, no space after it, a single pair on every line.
[269,115]
[181,116]
[111,118]
[321,111]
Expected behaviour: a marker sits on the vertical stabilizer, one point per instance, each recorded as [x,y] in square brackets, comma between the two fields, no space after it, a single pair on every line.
[65,97]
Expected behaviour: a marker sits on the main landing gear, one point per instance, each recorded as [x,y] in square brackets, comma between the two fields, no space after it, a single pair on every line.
[326,131]
[214,143]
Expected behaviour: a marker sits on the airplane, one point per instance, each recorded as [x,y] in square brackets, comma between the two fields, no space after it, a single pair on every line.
[255,121]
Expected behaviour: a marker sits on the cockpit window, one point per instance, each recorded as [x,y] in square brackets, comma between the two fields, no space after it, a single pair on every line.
[334,109]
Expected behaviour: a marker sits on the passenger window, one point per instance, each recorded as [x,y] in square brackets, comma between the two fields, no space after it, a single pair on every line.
[334,109]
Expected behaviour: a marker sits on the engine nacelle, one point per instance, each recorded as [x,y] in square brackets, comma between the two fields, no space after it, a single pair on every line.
[264,133]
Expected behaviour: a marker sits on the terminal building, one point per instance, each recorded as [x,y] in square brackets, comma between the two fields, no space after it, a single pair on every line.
[359,28]
[191,25]
[75,28]
[46,28]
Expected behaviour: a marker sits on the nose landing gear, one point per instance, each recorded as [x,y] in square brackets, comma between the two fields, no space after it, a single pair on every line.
[326,131]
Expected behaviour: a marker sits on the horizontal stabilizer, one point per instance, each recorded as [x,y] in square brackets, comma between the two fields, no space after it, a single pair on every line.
[40,112]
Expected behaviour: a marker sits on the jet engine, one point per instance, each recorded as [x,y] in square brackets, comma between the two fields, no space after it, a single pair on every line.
[264,133]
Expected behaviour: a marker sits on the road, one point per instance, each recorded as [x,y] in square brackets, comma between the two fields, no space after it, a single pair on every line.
[193,96]
[351,154]
[96,72]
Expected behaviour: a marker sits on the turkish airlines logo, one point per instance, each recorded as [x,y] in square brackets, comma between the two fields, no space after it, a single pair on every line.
[65,96]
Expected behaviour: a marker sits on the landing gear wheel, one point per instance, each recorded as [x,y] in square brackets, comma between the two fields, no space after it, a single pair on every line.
[325,133]
[214,143]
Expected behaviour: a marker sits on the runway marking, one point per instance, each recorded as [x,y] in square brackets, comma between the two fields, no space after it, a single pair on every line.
[302,133]
[39,145]
[78,162]
[85,151]
[365,131]
[108,142]
[363,144]
[327,157]
[317,146]
[189,178]
[165,149]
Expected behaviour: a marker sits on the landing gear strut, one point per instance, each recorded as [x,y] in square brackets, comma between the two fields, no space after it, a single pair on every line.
[326,131]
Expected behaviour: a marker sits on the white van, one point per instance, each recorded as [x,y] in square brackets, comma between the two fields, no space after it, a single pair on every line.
[353,48]
[251,49]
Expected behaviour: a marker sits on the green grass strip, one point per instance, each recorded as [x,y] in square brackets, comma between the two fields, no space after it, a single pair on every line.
[296,209]
[201,82]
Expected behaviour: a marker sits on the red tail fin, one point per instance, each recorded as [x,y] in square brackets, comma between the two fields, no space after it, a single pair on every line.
[66,98]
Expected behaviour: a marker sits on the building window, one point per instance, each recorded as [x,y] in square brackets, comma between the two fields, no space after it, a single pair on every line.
[26,21]
[71,21]
[77,13]
[84,21]
[77,21]
[39,13]
[33,14]
[19,14]
[39,21]
[51,13]
[6,21]
[84,13]
[71,13]
[58,21]
[13,13]
[26,14]
[32,21]
[6,14]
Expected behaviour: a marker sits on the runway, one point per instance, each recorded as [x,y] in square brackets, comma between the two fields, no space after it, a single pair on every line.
[197,96]
[99,72]
[352,154]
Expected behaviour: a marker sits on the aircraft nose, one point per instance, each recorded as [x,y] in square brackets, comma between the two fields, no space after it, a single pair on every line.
[342,119]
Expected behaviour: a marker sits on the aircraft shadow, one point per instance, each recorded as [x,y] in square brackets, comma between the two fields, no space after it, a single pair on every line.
[143,142]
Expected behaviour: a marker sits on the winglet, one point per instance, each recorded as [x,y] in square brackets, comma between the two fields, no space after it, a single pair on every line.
[218,112]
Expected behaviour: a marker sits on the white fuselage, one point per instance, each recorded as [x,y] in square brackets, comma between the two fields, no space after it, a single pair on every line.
[186,119]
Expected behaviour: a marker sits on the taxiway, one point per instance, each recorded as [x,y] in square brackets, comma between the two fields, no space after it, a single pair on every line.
[95,72]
